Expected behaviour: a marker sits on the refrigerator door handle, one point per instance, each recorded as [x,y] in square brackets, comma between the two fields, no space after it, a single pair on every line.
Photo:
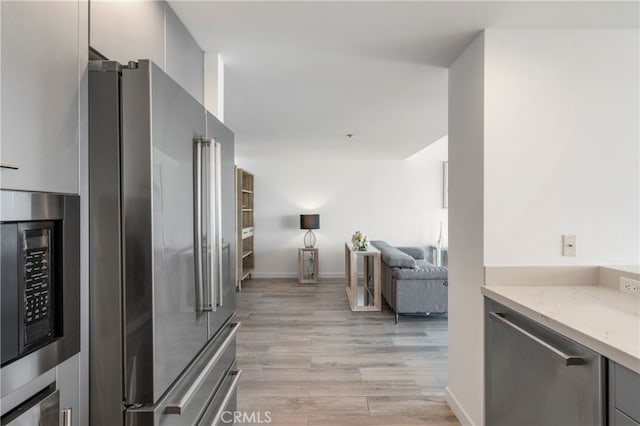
[199,244]
[180,406]
[211,170]
[218,218]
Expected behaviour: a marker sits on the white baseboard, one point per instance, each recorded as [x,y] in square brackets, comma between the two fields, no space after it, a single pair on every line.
[274,275]
[327,275]
[462,415]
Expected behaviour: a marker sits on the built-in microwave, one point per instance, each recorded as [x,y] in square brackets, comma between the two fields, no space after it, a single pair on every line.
[39,283]
[29,287]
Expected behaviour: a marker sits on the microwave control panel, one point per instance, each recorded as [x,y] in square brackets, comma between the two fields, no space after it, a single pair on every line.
[37,278]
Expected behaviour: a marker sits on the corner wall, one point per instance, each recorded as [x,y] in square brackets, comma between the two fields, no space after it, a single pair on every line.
[466,233]
[543,141]
[397,200]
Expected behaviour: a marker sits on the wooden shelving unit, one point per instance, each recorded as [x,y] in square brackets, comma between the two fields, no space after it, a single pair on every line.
[244,206]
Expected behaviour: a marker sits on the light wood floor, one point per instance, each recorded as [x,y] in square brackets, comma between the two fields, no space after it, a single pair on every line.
[310,361]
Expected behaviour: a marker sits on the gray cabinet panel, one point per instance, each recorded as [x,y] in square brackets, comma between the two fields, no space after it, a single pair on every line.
[129,30]
[67,383]
[624,395]
[534,376]
[185,59]
[40,95]
[620,419]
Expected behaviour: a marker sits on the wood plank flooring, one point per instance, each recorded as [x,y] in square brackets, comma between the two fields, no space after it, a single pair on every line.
[310,361]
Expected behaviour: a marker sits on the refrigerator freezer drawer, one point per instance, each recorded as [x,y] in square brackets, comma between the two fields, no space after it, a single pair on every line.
[222,409]
[187,400]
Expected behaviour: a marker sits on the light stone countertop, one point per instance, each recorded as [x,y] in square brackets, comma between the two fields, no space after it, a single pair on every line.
[600,318]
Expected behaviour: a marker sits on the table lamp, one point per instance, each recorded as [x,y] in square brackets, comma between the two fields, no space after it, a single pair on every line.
[309,222]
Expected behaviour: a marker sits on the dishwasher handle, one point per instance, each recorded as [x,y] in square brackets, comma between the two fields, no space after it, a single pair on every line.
[569,359]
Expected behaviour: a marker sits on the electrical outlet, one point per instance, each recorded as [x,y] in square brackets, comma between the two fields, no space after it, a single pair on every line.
[627,285]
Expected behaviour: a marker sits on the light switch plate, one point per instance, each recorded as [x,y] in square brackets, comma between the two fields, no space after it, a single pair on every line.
[568,245]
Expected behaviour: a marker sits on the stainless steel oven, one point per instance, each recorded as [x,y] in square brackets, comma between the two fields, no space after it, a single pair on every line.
[42,409]
[40,284]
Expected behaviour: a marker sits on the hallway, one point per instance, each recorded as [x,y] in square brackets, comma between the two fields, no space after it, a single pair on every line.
[308,360]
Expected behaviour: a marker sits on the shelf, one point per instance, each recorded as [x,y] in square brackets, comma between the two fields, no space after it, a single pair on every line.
[246,273]
[247,232]
[245,254]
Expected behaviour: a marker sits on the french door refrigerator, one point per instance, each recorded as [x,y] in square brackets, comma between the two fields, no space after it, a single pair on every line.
[162,253]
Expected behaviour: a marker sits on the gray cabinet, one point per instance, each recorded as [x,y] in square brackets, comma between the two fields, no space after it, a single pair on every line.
[128,31]
[624,396]
[67,377]
[40,116]
[534,376]
[119,33]
[185,60]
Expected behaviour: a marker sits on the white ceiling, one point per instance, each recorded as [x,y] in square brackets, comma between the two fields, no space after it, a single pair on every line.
[301,75]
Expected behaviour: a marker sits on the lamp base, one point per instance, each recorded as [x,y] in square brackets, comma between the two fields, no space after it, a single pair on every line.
[309,239]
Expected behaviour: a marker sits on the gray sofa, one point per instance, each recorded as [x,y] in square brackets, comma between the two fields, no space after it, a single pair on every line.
[410,284]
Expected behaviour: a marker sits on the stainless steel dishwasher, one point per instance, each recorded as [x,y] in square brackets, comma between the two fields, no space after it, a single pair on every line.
[535,376]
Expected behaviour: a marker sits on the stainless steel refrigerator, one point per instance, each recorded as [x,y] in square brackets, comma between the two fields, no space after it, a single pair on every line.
[162,253]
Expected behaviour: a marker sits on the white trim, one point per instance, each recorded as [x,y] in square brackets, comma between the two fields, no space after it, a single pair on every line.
[457,409]
[324,275]
[220,90]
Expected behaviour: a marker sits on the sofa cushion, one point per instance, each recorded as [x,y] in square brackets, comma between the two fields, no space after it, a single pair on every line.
[422,264]
[394,257]
[415,252]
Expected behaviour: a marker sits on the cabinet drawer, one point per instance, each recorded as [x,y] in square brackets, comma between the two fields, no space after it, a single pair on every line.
[222,409]
[624,388]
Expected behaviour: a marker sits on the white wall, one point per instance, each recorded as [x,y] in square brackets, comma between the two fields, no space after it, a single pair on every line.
[396,201]
[562,146]
[543,140]
[214,84]
[466,223]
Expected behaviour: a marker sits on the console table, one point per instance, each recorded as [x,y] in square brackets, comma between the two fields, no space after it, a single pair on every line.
[364,297]
[308,275]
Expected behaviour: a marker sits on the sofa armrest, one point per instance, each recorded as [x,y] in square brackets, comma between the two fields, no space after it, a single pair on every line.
[415,252]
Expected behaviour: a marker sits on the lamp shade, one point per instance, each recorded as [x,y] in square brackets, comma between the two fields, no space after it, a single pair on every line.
[309,221]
